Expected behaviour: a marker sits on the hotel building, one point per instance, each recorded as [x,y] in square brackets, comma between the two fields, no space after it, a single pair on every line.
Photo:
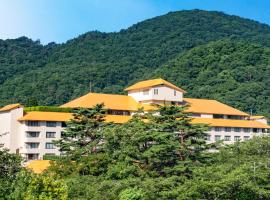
[31,134]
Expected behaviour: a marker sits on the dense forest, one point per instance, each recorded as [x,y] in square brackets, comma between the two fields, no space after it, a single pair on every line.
[210,54]
[147,158]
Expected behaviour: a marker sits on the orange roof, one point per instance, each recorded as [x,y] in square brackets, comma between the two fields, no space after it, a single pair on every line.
[117,118]
[149,107]
[63,117]
[153,82]
[46,116]
[230,123]
[38,166]
[111,101]
[257,117]
[10,107]
[206,106]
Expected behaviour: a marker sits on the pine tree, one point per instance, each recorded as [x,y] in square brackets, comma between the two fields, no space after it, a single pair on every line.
[157,143]
[83,134]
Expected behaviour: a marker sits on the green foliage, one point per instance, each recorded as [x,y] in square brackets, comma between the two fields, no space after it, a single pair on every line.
[227,71]
[44,187]
[151,145]
[10,166]
[141,160]
[236,73]
[230,175]
[83,134]
[47,109]
[131,194]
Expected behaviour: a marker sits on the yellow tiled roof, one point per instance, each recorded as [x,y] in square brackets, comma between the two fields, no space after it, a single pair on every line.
[206,106]
[63,117]
[111,101]
[46,116]
[10,107]
[257,117]
[230,123]
[117,118]
[38,166]
[153,82]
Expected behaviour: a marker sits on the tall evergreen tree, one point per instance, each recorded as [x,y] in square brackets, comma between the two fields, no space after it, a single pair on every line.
[157,142]
[83,134]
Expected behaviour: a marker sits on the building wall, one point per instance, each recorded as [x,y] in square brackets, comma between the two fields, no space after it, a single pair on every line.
[164,94]
[10,128]
[206,115]
[222,133]
[263,120]
[41,139]
[5,129]
[15,128]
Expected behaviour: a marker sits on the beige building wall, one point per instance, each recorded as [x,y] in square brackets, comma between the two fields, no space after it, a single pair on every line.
[164,94]
[10,128]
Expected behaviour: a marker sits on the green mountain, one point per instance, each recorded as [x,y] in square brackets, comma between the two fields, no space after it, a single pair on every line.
[171,46]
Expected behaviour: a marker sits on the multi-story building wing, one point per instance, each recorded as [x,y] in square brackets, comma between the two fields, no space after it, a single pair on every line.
[32,133]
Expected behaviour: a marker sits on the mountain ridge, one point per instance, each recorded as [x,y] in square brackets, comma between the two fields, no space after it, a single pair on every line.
[57,73]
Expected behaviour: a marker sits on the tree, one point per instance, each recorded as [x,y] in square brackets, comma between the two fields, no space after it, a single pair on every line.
[155,143]
[83,134]
[46,187]
[10,166]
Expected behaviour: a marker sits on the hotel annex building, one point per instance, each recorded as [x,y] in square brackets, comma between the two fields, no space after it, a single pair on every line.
[31,134]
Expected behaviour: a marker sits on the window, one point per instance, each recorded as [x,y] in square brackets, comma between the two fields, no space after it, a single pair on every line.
[145,92]
[32,134]
[208,137]
[228,129]
[234,117]
[195,115]
[51,124]
[32,156]
[116,112]
[255,130]
[32,145]
[246,137]
[174,92]
[32,123]
[217,116]
[237,138]
[156,91]
[227,138]
[246,130]
[49,145]
[62,134]
[50,134]
[218,129]
[63,124]
[217,137]
[237,129]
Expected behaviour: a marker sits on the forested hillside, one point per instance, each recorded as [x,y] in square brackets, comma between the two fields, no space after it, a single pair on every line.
[227,70]
[233,72]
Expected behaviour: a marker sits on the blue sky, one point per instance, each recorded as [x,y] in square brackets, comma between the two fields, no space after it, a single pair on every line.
[60,20]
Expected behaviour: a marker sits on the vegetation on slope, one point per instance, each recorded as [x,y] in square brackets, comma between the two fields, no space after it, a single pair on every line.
[54,74]
[236,73]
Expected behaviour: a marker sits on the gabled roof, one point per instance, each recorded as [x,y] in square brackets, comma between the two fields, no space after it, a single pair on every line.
[10,107]
[206,106]
[257,117]
[111,101]
[230,123]
[151,83]
[64,117]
